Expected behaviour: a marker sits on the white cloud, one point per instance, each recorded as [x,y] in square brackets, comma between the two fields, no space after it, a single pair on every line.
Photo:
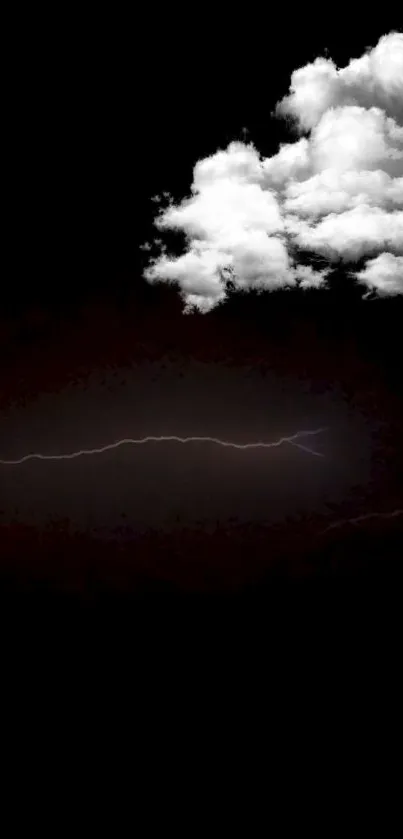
[231,222]
[238,163]
[352,234]
[197,275]
[221,211]
[332,191]
[291,163]
[373,80]
[384,274]
[337,191]
[357,139]
[309,277]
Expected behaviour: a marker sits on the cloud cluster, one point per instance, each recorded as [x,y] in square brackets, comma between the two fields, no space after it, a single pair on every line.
[337,191]
[383,274]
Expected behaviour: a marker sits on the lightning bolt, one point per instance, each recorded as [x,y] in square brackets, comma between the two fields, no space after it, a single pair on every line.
[364,517]
[171,438]
[305,448]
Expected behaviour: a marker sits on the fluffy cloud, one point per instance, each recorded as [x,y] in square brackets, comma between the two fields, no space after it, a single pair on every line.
[358,139]
[292,162]
[383,274]
[331,191]
[337,191]
[374,80]
[310,277]
[234,227]
[352,234]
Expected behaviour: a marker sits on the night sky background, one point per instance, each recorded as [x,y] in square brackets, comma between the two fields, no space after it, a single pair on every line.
[100,116]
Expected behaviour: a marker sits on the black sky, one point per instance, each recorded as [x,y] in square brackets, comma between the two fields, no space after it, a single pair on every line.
[101,116]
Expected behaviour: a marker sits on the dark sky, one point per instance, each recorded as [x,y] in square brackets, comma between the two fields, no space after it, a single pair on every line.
[99,121]
[167,484]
